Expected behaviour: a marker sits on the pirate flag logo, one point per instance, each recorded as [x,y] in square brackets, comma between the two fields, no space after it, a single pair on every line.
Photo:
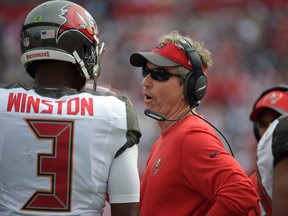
[78,18]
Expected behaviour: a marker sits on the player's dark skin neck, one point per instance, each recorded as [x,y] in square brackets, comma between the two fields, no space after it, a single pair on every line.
[57,74]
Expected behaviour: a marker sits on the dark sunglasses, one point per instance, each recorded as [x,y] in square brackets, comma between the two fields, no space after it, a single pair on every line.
[159,74]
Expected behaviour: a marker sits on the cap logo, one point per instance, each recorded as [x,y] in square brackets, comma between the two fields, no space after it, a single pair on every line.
[173,52]
[273,98]
[159,47]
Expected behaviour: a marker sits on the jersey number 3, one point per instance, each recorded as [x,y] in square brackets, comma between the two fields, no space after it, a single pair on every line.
[56,165]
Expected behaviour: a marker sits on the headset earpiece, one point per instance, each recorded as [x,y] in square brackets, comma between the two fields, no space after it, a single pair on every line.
[195,84]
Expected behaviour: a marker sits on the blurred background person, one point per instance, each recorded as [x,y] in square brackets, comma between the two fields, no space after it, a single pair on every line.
[272,163]
[272,103]
[280,163]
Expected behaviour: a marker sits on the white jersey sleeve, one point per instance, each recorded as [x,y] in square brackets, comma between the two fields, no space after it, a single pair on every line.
[123,184]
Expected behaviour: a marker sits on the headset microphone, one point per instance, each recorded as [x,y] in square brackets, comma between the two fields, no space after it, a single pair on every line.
[154,115]
[160,117]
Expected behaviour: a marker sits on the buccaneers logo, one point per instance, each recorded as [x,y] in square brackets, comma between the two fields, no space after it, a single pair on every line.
[273,98]
[159,47]
[78,18]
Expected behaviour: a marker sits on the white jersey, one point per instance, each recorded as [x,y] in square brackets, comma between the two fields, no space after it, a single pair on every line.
[58,148]
[272,148]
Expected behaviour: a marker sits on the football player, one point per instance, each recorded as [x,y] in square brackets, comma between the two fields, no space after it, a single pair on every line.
[63,147]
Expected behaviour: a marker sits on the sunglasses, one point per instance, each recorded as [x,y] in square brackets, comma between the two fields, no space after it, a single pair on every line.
[159,74]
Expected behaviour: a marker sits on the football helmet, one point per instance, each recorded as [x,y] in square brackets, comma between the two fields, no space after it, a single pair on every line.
[65,31]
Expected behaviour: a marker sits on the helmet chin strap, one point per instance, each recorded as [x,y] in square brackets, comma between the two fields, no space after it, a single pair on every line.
[82,65]
[97,67]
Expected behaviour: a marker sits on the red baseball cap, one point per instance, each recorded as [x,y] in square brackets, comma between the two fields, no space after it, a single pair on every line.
[164,55]
[276,100]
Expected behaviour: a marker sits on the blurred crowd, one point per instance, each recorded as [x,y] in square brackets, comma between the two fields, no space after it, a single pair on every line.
[248,40]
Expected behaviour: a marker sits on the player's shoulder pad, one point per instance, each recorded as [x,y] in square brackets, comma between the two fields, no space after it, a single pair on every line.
[16,85]
[280,139]
[133,132]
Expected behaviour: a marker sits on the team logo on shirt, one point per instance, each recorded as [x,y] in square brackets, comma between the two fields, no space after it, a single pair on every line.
[158,165]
